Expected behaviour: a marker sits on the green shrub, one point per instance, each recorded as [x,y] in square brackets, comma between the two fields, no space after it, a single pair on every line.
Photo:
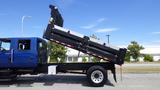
[127,57]
[94,59]
[148,58]
[84,59]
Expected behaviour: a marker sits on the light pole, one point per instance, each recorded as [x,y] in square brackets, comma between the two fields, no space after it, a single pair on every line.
[108,37]
[23,17]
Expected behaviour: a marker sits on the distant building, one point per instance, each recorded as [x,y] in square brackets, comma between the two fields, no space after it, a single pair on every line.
[153,51]
[72,56]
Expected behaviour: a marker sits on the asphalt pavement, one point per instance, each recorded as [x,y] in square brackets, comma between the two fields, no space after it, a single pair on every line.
[79,82]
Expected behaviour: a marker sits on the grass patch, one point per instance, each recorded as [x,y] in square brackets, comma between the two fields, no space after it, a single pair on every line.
[139,69]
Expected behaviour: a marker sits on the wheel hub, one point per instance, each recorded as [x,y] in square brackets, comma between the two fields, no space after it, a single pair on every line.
[97,76]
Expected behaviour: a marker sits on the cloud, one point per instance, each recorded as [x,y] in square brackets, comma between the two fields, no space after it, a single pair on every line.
[101,20]
[157,41]
[96,23]
[89,26]
[154,43]
[155,32]
[106,30]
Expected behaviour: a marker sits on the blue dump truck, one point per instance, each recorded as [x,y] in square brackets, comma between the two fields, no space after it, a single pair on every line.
[29,55]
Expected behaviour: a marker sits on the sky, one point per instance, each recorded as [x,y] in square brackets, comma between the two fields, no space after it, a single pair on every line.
[123,20]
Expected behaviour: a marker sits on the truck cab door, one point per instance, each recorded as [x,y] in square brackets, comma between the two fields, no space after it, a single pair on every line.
[24,55]
[5,53]
[42,51]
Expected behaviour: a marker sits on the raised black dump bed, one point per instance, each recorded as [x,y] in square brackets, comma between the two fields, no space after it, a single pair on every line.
[56,33]
[96,72]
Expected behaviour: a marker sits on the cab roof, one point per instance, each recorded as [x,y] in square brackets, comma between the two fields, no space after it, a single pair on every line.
[10,38]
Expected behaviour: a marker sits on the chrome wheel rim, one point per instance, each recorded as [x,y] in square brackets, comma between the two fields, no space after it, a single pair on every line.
[97,76]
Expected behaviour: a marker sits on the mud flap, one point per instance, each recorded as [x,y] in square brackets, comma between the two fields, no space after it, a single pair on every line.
[114,74]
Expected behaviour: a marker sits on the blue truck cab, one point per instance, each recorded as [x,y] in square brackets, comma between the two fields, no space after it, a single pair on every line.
[22,53]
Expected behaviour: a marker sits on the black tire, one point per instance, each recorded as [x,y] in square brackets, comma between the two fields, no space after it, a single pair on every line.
[97,76]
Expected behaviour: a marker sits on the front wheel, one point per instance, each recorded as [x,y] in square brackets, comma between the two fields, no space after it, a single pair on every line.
[97,76]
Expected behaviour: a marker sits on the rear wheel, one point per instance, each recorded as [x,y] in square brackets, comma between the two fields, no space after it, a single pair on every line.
[97,76]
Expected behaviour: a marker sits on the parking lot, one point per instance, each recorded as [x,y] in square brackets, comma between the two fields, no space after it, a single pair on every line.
[79,82]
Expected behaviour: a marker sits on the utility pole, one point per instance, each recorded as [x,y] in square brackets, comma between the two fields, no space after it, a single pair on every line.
[108,36]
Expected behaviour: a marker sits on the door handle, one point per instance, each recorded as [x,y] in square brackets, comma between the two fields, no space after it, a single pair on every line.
[12,51]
